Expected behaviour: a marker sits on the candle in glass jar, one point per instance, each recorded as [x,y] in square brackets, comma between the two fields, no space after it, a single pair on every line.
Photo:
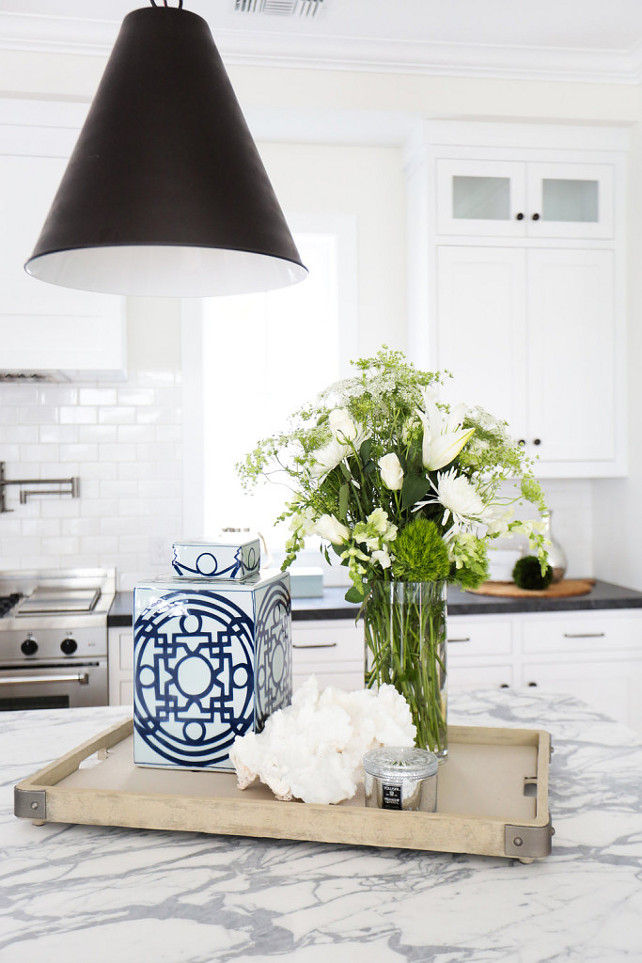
[401,778]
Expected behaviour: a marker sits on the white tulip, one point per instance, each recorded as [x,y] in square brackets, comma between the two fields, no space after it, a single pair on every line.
[443,437]
[391,472]
[327,526]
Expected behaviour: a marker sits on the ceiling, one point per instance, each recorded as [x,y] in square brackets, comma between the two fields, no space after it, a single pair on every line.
[584,40]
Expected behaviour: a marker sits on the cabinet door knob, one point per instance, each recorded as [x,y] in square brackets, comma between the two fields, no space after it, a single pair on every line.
[519,217]
[537,441]
[535,217]
[522,441]
[504,685]
[532,685]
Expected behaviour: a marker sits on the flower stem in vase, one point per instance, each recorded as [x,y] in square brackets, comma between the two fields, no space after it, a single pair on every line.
[405,637]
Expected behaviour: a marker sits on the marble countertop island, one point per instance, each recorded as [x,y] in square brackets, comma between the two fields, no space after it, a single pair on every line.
[83,894]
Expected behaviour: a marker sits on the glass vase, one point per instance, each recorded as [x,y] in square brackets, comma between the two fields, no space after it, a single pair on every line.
[405,639]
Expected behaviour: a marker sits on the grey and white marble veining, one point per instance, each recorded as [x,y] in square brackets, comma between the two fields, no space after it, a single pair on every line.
[79,894]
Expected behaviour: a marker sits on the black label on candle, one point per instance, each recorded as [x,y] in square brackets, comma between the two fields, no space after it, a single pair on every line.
[390,797]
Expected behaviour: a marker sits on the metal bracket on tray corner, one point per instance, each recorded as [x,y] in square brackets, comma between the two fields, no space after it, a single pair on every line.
[66,486]
[30,803]
[528,842]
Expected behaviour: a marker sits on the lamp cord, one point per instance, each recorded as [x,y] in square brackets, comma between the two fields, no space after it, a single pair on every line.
[165,3]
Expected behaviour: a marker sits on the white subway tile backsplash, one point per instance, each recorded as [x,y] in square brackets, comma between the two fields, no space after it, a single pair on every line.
[117,453]
[67,545]
[19,434]
[97,396]
[58,434]
[137,396]
[132,433]
[123,441]
[8,415]
[117,415]
[78,453]
[79,526]
[37,415]
[9,453]
[77,415]
[41,526]
[118,489]
[100,470]
[97,433]
[34,454]
[57,395]
[132,469]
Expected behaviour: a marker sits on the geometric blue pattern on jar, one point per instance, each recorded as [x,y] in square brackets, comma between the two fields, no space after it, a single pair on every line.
[194,677]
[273,659]
[216,560]
[211,662]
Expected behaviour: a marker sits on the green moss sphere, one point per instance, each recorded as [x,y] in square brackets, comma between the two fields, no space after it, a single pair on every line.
[527,574]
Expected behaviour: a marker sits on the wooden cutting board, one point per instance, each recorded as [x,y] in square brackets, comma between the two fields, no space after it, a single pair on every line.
[558,590]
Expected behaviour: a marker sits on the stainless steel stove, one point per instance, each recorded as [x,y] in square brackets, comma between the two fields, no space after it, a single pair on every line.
[53,638]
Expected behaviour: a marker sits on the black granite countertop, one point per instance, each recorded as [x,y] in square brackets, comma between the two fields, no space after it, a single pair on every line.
[332,604]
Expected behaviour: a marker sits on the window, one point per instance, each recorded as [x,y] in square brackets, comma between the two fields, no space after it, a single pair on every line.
[262,356]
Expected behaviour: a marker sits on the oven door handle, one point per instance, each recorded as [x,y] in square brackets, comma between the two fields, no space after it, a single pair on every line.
[82,678]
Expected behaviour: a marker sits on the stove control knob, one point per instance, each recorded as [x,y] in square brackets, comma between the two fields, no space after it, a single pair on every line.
[29,646]
[68,646]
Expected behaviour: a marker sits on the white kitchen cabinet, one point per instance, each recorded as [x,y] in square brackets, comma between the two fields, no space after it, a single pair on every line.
[516,282]
[595,656]
[531,334]
[45,327]
[121,666]
[498,198]
[330,649]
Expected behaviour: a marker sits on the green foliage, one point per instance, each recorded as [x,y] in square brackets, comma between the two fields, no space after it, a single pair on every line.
[421,555]
[469,561]
[528,574]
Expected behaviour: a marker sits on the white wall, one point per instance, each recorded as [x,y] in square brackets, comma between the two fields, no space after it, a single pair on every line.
[599,523]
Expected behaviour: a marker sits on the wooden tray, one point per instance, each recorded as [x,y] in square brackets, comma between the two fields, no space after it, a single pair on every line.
[567,588]
[492,798]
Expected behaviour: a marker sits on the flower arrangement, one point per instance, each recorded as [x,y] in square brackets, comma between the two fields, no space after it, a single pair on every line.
[408,492]
[402,486]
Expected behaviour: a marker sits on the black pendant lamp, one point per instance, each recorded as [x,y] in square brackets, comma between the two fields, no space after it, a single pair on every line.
[165,193]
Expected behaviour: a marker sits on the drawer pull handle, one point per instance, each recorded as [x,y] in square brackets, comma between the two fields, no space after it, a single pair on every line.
[584,635]
[504,685]
[466,638]
[318,645]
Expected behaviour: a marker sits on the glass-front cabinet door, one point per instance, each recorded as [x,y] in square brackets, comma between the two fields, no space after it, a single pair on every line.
[570,200]
[522,199]
[481,197]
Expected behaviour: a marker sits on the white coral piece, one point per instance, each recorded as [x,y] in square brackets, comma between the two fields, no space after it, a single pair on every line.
[313,749]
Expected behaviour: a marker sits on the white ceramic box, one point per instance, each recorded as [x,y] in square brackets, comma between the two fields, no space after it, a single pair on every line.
[212,660]
[234,557]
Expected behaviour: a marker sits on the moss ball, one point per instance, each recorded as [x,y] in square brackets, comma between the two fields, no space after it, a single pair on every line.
[527,574]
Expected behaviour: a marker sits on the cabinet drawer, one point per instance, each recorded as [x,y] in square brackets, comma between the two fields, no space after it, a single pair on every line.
[327,642]
[479,676]
[601,634]
[478,637]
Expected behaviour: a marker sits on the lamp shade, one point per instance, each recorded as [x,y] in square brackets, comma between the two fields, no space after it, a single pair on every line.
[165,193]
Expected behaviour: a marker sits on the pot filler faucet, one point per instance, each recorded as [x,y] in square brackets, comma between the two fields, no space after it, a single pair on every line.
[36,486]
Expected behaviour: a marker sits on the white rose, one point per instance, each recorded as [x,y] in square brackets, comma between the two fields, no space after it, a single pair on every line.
[327,526]
[342,426]
[391,472]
